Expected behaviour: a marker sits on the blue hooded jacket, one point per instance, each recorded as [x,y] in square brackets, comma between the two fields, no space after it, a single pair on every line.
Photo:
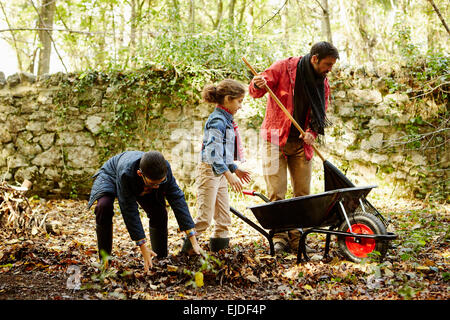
[118,177]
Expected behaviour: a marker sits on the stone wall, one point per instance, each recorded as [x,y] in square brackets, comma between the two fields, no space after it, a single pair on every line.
[57,135]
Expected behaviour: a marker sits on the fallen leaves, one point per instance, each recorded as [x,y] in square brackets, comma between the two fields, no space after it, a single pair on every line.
[171,268]
[16,214]
[416,268]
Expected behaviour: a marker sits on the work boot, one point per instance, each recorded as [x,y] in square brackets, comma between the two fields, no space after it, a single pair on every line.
[308,249]
[158,239]
[294,237]
[217,244]
[281,242]
[104,241]
[279,247]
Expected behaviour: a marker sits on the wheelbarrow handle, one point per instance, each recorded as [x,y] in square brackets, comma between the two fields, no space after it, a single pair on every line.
[254,193]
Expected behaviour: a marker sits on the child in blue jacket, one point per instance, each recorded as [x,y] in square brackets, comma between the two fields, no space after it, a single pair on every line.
[221,146]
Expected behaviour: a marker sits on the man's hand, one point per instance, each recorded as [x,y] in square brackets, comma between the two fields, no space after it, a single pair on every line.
[234,182]
[243,175]
[148,255]
[259,81]
[308,138]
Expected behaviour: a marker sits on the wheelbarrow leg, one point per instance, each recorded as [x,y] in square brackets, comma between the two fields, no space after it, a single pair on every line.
[268,236]
[327,246]
[270,239]
[301,251]
[327,243]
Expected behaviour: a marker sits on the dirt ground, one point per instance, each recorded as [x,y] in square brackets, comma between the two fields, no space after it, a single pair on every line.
[62,264]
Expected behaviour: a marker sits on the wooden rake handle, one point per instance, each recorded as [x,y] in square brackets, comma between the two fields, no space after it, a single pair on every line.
[280,104]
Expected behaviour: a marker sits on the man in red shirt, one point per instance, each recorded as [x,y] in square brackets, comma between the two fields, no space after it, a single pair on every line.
[301,84]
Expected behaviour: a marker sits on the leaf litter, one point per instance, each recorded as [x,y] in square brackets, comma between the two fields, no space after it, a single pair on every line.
[61,262]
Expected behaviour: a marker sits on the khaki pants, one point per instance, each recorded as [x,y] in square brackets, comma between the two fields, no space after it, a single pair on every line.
[212,201]
[276,162]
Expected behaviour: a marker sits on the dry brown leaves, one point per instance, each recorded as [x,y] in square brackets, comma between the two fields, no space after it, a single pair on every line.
[16,214]
[416,267]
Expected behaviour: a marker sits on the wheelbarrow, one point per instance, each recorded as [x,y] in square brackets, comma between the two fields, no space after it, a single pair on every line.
[345,213]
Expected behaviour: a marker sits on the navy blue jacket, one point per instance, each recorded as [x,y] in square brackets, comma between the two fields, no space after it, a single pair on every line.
[219,142]
[118,177]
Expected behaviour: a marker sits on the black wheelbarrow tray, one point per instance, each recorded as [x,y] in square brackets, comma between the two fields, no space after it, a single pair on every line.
[358,226]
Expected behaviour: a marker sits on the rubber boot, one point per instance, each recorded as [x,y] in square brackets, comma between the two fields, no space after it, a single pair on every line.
[104,239]
[187,246]
[216,244]
[158,239]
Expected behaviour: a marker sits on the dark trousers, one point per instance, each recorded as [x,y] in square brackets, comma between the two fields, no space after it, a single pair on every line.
[157,213]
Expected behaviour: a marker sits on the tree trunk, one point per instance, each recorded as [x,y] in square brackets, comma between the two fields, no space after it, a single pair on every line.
[285,23]
[192,15]
[326,29]
[176,10]
[101,52]
[368,39]
[32,61]
[114,33]
[219,15]
[344,17]
[122,25]
[250,20]
[242,11]
[46,21]
[133,29]
[231,11]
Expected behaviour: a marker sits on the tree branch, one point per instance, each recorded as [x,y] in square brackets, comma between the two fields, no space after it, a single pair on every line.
[440,16]
[276,13]
[19,61]
[50,29]
[320,5]
[431,90]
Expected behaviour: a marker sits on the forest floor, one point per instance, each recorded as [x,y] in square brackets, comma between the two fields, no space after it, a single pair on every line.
[63,264]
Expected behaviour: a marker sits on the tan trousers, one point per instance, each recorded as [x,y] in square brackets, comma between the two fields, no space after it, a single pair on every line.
[276,162]
[212,201]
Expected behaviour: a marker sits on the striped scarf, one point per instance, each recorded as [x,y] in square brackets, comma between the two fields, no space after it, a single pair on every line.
[239,148]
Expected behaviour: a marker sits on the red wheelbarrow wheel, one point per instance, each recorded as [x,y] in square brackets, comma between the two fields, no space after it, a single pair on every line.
[354,248]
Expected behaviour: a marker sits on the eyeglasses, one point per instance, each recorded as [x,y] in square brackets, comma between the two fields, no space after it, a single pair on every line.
[151,184]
